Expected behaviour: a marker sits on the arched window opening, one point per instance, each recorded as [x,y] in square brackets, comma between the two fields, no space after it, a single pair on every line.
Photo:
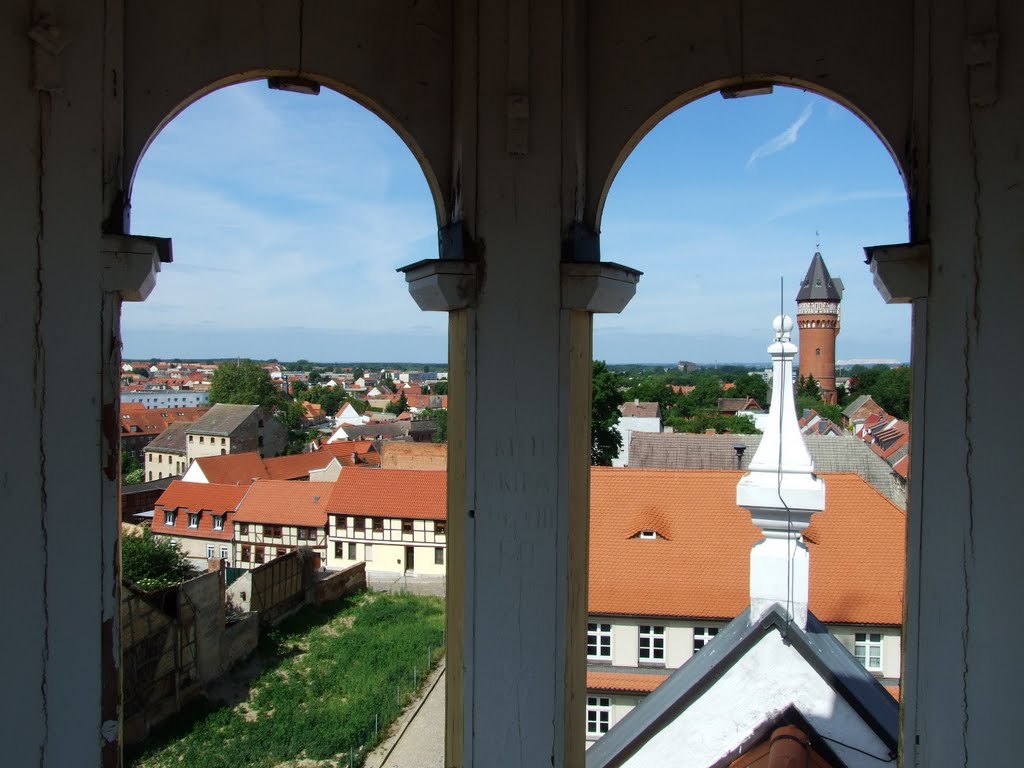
[301,360]
[737,211]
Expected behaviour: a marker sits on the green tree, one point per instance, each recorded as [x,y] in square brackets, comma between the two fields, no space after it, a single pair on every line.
[807,386]
[440,415]
[739,425]
[244,383]
[152,562]
[130,468]
[826,410]
[401,405]
[606,440]
[299,387]
[752,385]
[892,391]
[439,388]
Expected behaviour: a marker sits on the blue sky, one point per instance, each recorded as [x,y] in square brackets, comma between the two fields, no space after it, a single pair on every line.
[290,214]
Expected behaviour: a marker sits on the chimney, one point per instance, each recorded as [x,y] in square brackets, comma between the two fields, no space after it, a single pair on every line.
[781,492]
[740,449]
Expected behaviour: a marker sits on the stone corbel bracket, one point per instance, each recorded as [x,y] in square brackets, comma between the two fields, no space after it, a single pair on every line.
[441,285]
[130,264]
[447,283]
[900,271]
[600,286]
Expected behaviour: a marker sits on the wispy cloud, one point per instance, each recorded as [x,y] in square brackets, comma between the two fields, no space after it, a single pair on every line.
[825,198]
[785,139]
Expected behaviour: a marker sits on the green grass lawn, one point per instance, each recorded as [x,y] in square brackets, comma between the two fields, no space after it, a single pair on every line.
[326,673]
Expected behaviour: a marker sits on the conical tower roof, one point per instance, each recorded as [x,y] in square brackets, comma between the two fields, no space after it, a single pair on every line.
[818,284]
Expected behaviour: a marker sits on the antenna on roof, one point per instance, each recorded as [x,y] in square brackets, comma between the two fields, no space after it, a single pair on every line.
[817,241]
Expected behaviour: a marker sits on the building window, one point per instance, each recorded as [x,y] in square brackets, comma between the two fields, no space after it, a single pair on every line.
[867,647]
[169,517]
[368,553]
[259,441]
[259,555]
[243,529]
[599,641]
[339,549]
[209,551]
[223,441]
[439,528]
[648,534]
[201,438]
[245,553]
[407,526]
[359,523]
[652,644]
[224,553]
[378,524]
[193,519]
[438,555]
[272,531]
[599,712]
[817,352]
[259,424]
[702,636]
[190,438]
[281,552]
[351,551]
[159,458]
[218,522]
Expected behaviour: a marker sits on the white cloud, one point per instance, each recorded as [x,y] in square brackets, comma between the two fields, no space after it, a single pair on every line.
[785,139]
[824,198]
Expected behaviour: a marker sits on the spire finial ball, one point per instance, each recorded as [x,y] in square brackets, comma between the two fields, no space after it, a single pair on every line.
[782,324]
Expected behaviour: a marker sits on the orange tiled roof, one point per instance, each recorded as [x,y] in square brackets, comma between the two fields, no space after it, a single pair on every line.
[622,681]
[410,493]
[894,691]
[701,569]
[282,502]
[206,498]
[297,466]
[153,421]
[234,468]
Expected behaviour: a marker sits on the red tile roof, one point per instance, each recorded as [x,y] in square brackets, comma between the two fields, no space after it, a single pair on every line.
[153,421]
[701,568]
[207,499]
[624,682]
[281,502]
[298,466]
[234,468]
[409,493]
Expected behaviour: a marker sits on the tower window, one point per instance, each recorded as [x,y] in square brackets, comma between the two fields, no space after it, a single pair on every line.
[818,351]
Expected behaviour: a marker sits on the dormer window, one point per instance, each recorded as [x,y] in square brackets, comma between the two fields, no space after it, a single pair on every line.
[218,522]
[648,534]
[193,519]
[169,516]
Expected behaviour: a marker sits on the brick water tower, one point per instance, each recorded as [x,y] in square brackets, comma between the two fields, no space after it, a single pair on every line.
[817,314]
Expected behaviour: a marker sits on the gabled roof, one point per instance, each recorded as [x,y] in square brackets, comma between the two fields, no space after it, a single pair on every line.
[831,453]
[171,440]
[856,548]
[856,405]
[222,419]
[205,498]
[639,410]
[233,468]
[280,502]
[297,466]
[736,404]
[818,284]
[408,493]
[816,653]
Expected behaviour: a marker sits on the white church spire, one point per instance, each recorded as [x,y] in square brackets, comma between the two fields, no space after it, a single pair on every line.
[781,492]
